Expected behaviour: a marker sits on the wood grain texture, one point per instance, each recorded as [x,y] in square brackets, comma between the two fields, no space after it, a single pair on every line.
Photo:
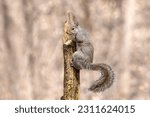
[71,75]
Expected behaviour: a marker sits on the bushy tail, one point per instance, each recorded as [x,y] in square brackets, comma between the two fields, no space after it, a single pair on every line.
[106,79]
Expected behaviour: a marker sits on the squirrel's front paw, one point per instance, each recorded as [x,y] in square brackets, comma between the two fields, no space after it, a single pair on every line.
[68,43]
[71,63]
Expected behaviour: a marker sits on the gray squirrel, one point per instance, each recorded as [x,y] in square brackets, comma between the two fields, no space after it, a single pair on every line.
[83,58]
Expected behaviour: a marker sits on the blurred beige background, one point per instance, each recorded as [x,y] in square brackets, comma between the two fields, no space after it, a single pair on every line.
[31,59]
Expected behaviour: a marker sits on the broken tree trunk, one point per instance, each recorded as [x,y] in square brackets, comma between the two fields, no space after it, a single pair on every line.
[71,75]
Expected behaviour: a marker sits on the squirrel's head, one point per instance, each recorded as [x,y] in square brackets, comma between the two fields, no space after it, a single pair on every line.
[71,24]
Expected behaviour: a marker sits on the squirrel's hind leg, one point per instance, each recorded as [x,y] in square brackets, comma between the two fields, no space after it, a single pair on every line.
[77,60]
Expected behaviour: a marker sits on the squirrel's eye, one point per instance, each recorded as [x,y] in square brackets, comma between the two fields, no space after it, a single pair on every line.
[72,28]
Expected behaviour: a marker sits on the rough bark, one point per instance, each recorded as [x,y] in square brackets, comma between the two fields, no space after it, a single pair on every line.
[71,75]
